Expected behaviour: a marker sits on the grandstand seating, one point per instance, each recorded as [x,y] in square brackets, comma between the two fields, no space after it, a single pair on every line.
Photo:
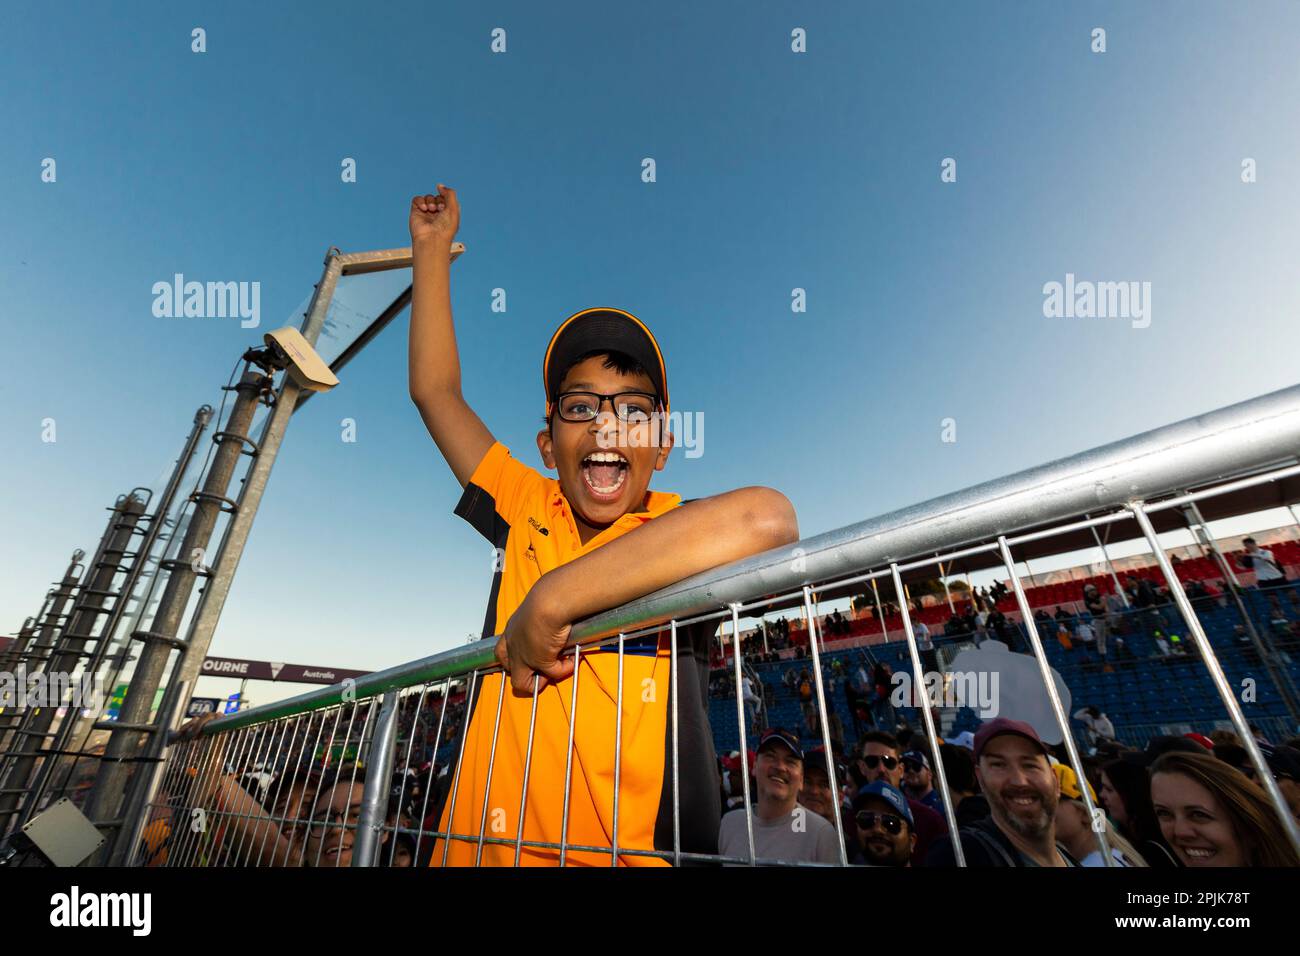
[1143,694]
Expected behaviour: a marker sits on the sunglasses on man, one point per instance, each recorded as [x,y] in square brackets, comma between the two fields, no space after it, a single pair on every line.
[873,761]
[891,824]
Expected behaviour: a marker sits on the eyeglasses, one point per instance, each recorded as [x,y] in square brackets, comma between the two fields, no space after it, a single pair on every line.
[913,766]
[629,407]
[891,824]
[326,817]
[872,761]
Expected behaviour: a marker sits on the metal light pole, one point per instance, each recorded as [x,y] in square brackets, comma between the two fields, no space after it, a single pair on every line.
[156,522]
[133,719]
[108,800]
[48,625]
[126,514]
[1119,588]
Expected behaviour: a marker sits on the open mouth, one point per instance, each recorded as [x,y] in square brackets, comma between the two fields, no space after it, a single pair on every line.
[1197,854]
[1024,801]
[605,473]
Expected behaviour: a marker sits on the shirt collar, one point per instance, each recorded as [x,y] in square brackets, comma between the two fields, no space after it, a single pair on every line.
[657,503]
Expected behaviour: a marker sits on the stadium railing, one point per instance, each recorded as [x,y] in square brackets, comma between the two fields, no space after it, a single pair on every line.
[356,724]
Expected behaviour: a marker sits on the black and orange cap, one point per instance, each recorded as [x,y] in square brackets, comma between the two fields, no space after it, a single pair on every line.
[596,330]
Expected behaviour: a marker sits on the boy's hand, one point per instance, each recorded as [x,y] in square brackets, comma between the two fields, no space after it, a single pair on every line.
[435,218]
[531,644]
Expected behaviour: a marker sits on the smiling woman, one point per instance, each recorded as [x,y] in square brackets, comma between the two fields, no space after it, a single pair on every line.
[1211,814]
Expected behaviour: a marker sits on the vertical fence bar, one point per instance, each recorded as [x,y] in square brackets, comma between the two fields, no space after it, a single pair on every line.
[274,801]
[492,758]
[209,784]
[343,753]
[325,764]
[674,688]
[275,735]
[949,811]
[455,780]
[618,752]
[826,735]
[528,766]
[568,760]
[306,765]
[379,771]
[257,740]
[1058,711]
[352,782]
[201,754]
[1218,677]
[433,765]
[740,719]
[406,765]
[880,612]
[1110,565]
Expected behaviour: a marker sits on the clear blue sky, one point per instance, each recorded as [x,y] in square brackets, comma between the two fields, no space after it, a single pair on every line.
[775,171]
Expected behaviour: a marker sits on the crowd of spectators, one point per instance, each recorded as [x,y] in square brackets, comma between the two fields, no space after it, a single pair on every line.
[1187,801]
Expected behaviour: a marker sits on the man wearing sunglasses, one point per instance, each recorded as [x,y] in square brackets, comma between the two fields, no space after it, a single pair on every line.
[880,762]
[885,832]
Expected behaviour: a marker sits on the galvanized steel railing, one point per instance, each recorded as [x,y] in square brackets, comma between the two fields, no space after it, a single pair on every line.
[1241,446]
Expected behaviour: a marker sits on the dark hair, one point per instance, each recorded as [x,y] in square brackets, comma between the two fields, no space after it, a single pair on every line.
[1233,755]
[959,768]
[1249,541]
[620,362]
[881,737]
[1133,785]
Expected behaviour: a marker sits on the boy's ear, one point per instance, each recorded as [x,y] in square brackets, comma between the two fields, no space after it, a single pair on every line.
[666,443]
[546,447]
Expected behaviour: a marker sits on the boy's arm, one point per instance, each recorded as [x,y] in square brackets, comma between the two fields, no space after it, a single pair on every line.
[704,534]
[434,369]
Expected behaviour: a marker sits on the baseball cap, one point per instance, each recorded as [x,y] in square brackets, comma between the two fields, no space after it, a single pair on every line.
[918,757]
[1005,725]
[890,794]
[779,736]
[596,330]
[1070,782]
[1201,739]
[964,739]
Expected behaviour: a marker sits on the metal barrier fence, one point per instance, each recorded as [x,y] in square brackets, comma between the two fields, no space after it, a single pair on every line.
[321,764]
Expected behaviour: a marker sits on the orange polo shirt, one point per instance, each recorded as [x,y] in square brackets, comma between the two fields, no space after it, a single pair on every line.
[526,516]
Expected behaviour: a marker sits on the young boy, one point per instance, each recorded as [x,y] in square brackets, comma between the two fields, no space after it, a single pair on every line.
[593,539]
